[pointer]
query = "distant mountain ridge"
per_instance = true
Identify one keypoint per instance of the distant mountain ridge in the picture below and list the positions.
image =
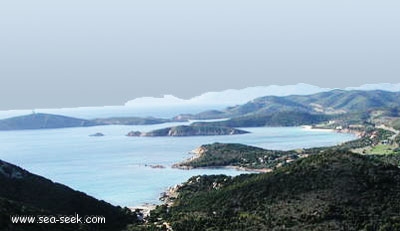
(331, 102)
(298, 110)
(267, 110)
(43, 121)
(50, 121)
(335, 101)
(142, 106)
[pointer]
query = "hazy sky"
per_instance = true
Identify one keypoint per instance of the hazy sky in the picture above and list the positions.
(93, 52)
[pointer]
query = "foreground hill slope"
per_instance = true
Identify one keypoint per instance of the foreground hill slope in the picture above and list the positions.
(43, 121)
(336, 190)
(23, 193)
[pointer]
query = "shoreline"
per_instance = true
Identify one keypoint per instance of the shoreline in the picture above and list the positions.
(145, 209)
(312, 128)
(357, 133)
(237, 168)
(196, 153)
(199, 151)
(168, 195)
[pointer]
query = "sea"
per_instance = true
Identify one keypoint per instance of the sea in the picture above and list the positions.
(117, 168)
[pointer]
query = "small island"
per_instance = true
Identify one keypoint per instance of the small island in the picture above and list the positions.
(159, 166)
(97, 134)
(190, 130)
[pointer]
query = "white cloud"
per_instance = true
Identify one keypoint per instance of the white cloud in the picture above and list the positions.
(379, 86)
(147, 101)
(169, 105)
(229, 97)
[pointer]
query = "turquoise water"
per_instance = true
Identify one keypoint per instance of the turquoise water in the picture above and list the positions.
(113, 167)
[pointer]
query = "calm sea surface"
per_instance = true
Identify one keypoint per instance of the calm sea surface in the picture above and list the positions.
(113, 167)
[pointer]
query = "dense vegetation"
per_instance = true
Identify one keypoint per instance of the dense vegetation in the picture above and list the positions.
(397, 140)
(370, 137)
(336, 190)
(239, 155)
(24, 193)
(396, 124)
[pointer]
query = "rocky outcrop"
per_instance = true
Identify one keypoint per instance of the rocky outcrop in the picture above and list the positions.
(134, 133)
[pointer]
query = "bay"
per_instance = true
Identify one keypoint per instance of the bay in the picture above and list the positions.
(116, 168)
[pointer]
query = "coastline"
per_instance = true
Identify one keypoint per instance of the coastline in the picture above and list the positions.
(168, 195)
(243, 169)
(312, 128)
(144, 209)
(357, 133)
(199, 151)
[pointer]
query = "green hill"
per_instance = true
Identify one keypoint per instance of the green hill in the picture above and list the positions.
(298, 110)
(238, 155)
(43, 121)
(336, 101)
(335, 190)
(283, 118)
(268, 104)
(250, 157)
(23, 193)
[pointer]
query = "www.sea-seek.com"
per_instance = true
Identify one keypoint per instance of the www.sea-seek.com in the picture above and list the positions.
(46, 219)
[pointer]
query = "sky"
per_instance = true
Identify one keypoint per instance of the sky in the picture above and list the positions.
(71, 53)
